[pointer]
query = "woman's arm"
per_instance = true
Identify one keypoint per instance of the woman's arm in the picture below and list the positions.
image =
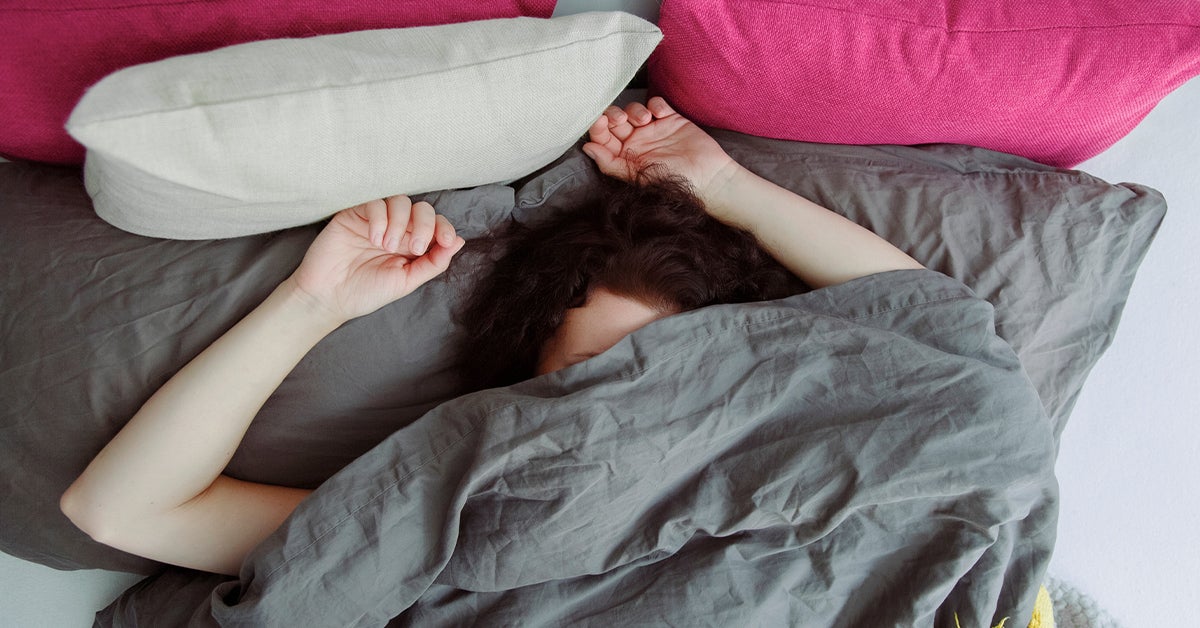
(820, 247)
(156, 489)
(817, 245)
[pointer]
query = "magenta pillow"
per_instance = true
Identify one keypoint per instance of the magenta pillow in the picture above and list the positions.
(1056, 81)
(50, 52)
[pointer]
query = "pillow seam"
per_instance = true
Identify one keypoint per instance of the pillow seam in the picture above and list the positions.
(104, 9)
(951, 31)
(868, 163)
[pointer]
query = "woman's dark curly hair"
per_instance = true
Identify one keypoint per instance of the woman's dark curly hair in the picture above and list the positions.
(650, 240)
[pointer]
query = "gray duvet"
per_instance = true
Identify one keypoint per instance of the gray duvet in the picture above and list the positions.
(881, 460)
(870, 454)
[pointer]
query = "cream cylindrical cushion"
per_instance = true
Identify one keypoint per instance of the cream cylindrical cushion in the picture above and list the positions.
(280, 133)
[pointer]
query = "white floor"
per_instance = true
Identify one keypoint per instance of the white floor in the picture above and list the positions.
(1130, 456)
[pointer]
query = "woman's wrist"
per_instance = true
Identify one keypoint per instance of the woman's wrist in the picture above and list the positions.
(302, 308)
(723, 193)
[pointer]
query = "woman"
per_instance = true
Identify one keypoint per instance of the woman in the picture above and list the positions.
(157, 490)
(648, 245)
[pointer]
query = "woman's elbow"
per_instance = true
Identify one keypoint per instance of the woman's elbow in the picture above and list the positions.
(86, 514)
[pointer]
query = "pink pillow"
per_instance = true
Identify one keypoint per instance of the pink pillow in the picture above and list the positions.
(1056, 81)
(50, 52)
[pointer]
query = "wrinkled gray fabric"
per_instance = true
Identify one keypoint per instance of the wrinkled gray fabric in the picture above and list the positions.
(867, 454)
(94, 319)
(1054, 250)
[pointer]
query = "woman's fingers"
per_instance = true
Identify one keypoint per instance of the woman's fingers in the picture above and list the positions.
(399, 209)
(440, 255)
(375, 213)
(443, 232)
(618, 123)
(602, 137)
(659, 107)
(615, 114)
(421, 227)
(598, 132)
(434, 263)
(638, 114)
(400, 226)
(604, 158)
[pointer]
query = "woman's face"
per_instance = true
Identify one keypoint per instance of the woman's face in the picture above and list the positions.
(594, 328)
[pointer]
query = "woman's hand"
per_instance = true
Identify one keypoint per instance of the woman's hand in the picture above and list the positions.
(372, 254)
(624, 142)
(156, 489)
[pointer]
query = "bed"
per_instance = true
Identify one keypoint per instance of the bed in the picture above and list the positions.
(901, 512)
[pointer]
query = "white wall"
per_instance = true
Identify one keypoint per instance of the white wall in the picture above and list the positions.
(33, 596)
(1130, 456)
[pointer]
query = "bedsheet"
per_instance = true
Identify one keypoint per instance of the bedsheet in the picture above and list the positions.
(95, 319)
(866, 454)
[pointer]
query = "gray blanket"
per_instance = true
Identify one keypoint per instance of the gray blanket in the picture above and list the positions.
(870, 454)
(94, 320)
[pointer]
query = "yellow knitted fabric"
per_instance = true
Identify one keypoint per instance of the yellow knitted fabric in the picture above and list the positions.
(1043, 611)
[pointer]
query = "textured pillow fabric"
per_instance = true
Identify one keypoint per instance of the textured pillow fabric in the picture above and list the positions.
(50, 52)
(274, 134)
(1055, 81)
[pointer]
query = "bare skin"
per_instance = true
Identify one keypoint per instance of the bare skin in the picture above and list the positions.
(820, 247)
(808, 239)
(157, 488)
(588, 331)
